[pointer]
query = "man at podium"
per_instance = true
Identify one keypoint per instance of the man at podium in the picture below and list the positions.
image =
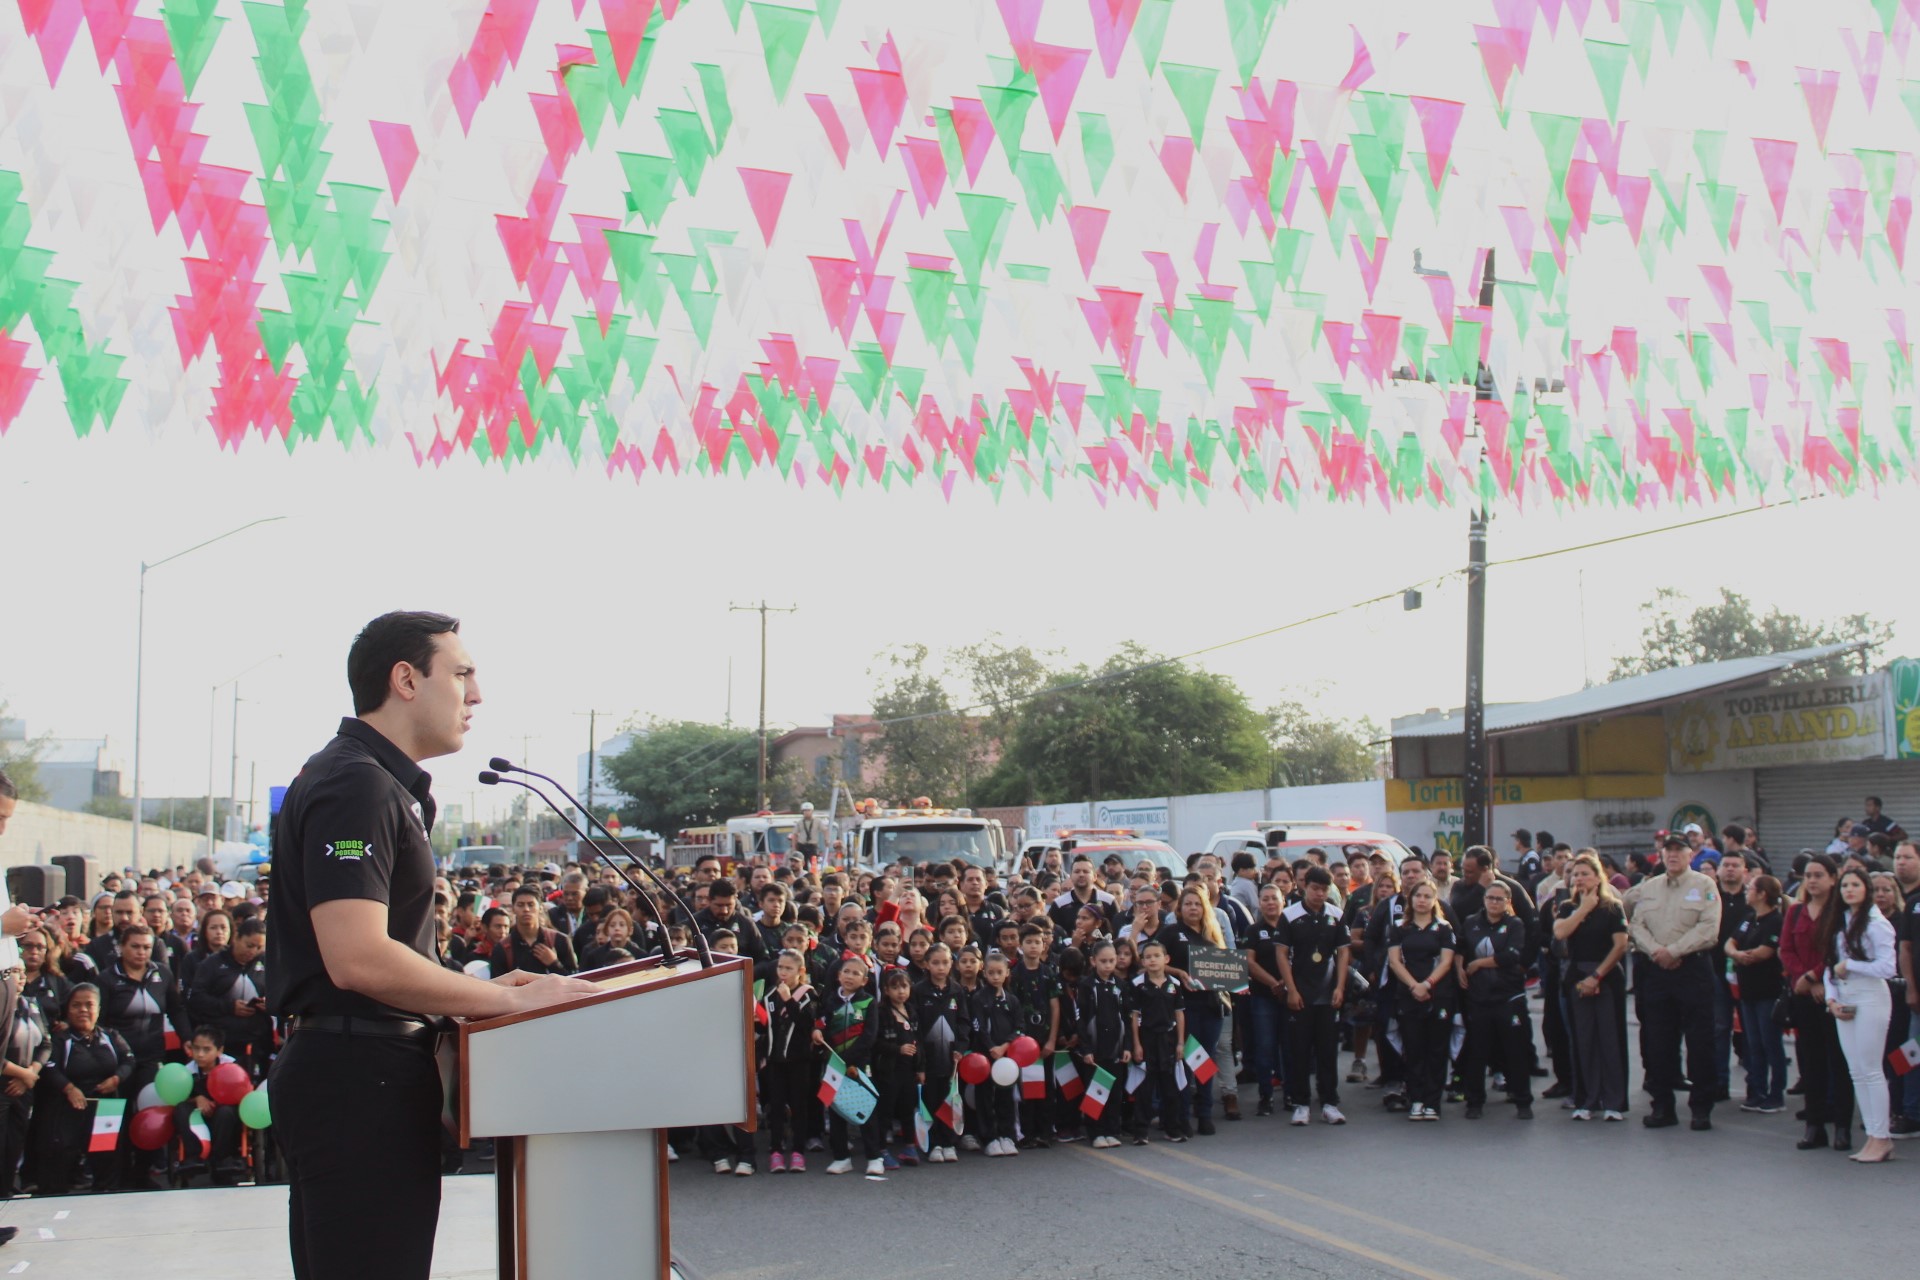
(356, 1091)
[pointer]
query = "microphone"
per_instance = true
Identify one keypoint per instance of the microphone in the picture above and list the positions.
(491, 778)
(706, 957)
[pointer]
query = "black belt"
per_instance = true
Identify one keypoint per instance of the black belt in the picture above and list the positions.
(414, 1031)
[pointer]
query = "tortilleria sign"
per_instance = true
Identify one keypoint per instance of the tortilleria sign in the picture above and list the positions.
(1786, 724)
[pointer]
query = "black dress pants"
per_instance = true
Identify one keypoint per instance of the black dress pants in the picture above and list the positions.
(1676, 1007)
(358, 1122)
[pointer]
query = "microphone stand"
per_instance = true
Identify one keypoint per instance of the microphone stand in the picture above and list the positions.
(667, 957)
(700, 938)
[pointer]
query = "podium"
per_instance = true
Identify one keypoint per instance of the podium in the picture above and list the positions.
(578, 1097)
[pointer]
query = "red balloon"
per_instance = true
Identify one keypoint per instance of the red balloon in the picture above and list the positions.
(228, 1083)
(1024, 1050)
(974, 1068)
(151, 1129)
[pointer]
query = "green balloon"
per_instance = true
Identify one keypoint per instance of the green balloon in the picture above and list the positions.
(174, 1084)
(253, 1109)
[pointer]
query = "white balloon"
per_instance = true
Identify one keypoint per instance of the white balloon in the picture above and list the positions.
(149, 1097)
(1006, 1072)
(479, 969)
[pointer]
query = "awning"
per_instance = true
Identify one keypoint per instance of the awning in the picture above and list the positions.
(1634, 693)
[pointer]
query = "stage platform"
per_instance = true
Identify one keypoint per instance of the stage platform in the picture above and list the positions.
(160, 1235)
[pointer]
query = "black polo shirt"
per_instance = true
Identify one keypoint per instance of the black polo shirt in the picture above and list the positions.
(1314, 941)
(354, 824)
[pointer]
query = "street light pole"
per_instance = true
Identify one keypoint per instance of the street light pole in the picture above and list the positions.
(1474, 781)
(763, 609)
(212, 695)
(140, 667)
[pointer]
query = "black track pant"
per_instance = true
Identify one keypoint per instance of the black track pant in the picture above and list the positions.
(358, 1119)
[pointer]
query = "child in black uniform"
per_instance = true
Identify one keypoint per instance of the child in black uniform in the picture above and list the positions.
(1105, 1037)
(896, 1069)
(791, 1074)
(846, 1026)
(943, 1012)
(996, 1021)
(1036, 985)
(1159, 1020)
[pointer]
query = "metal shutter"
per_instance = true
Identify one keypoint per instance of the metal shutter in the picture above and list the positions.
(1800, 803)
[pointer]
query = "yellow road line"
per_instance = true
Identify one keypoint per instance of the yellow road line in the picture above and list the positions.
(1321, 1202)
(1287, 1225)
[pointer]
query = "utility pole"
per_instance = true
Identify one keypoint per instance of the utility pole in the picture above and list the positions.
(593, 745)
(1474, 783)
(763, 609)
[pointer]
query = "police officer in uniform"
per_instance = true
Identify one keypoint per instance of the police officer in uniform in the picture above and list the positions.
(1675, 928)
(350, 962)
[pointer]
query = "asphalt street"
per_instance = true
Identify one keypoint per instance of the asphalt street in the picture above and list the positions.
(1490, 1199)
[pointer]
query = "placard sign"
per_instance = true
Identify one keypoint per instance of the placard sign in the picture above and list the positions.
(1217, 969)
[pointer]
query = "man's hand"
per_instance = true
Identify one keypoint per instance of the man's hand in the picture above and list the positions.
(16, 1087)
(243, 1008)
(1294, 1002)
(542, 990)
(545, 954)
(1339, 995)
(515, 978)
(110, 1085)
(1664, 958)
(16, 921)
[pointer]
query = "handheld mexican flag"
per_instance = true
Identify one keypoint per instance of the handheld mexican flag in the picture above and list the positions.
(836, 1075)
(1905, 1058)
(1136, 1076)
(951, 1113)
(760, 1018)
(1033, 1080)
(922, 1124)
(1098, 1090)
(1199, 1061)
(107, 1115)
(197, 1126)
(1067, 1076)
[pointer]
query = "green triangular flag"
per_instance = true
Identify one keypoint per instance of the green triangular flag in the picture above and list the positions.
(783, 32)
(1193, 90)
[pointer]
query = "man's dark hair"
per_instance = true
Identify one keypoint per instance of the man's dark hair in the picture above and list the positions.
(1241, 861)
(1543, 839)
(127, 894)
(1317, 875)
(1875, 802)
(211, 1034)
(8, 791)
(389, 639)
(721, 888)
(528, 891)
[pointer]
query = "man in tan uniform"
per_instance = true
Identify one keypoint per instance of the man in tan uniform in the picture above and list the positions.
(1675, 926)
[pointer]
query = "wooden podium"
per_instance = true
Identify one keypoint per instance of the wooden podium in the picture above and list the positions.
(578, 1097)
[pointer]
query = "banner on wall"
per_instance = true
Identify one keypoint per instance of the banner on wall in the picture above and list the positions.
(1904, 678)
(1147, 818)
(1821, 723)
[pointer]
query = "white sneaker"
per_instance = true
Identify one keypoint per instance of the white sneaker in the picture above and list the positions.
(743, 1170)
(876, 1168)
(1581, 1113)
(1008, 1147)
(1302, 1114)
(1417, 1111)
(968, 1142)
(952, 1156)
(723, 1166)
(1612, 1115)
(673, 1157)
(1332, 1115)
(936, 1155)
(840, 1166)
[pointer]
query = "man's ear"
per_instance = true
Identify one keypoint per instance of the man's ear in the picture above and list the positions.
(402, 681)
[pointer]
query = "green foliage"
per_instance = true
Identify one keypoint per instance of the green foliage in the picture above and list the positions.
(20, 761)
(929, 750)
(1676, 637)
(1310, 749)
(683, 773)
(109, 807)
(1129, 729)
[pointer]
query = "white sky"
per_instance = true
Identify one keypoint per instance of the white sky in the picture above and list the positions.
(577, 592)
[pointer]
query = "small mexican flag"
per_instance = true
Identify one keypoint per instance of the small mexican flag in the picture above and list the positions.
(951, 1113)
(1199, 1061)
(1033, 1080)
(1098, 1090)
(1067, 1076)
(197, 1126)
(1136, 1076)
(1905, 1058)
(107, 1115)
(760, 1003)
(835, 1076)
(922, 1124)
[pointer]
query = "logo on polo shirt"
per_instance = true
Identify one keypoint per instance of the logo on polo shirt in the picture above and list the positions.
(351, 850)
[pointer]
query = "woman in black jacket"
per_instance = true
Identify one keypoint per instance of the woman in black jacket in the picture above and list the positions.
(216, 932)
(41, 979)
(86, 1062)
(791, 1074)
(896, 1068)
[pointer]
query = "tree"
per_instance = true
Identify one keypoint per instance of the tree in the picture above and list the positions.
(1310, 749)
(1675, 637)
(1001, 677)
(1137, 726)
(931, 748)
(109, 807)
(20, 761)
(684, 773)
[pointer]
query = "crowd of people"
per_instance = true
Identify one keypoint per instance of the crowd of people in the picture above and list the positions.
(915, 982)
